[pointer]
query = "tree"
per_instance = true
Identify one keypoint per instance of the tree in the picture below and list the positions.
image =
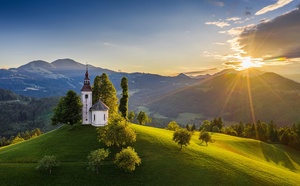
(47, 163)
(127, 159)
(96, 89)
(116, 133)
(131, 116)
(68, 110)
(143, 118)
(95, 159)
(173, 126)
(123, 107)
(205, 136)
(205, 126)
(182, 137)
(104, 90)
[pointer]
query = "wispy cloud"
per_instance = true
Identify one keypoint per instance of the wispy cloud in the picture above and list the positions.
(278, 4)
(220, 24)
(202, 71)
(217, 3)
(233, 19)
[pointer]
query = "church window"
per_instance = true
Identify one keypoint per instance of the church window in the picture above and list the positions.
(104, 117)
(86, 96)
(94, 117)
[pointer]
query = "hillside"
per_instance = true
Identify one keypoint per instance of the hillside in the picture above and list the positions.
(236, 96)
(20, 113)
(227, 161)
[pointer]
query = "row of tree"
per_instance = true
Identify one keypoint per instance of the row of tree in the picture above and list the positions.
(266, 132)
(20, 137)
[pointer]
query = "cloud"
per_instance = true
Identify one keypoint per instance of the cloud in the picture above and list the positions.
(278, 4)
(202, 72)
(232, 64)
(220, 24)
(277, 37)
(233, 19)
(217, 3)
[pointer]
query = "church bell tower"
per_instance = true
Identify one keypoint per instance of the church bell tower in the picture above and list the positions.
(86, 99)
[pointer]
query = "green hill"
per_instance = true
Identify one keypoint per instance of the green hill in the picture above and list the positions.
(227, 161)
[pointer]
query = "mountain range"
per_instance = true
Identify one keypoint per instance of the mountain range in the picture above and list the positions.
(234, 95)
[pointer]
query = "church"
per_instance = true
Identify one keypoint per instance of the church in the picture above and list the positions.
(96, 114)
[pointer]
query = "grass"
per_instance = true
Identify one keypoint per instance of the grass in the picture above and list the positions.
(227, 161)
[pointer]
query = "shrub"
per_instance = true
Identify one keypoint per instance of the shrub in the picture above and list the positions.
(127, 159)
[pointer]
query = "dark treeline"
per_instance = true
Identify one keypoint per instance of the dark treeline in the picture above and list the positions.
(19, 113)
(20, 137)
(266, 132)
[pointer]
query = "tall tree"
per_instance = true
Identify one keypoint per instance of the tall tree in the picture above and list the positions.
(104, 90)
(123, 107)
(68, 110)
(96, 89)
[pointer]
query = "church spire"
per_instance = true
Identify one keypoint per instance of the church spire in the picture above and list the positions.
(86, 84)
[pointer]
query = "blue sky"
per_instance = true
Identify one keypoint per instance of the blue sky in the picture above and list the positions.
(164, 37)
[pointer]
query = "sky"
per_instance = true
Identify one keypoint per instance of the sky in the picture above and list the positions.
(164, 37)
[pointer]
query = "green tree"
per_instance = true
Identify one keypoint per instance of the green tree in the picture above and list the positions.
(173, 126)
(131, 116)
(182, 137)
(116, 133)
(96, 89)
(47, 163)
(123, 107)
(205, 137)
(205, 126)
(127, 159)
(143, 118)
(104, 90)
(68, 110)
(95, 159)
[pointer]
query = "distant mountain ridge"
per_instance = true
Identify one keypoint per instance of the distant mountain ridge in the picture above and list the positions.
(224, 94)
(239, 96)
(43, 79)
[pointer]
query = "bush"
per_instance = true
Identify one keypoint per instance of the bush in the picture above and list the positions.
(127, 159)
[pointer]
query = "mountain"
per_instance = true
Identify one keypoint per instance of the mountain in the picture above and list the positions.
(245, 96)
(228, 161)
(43, 79)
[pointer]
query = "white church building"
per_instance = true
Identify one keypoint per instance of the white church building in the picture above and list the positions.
(97, 114)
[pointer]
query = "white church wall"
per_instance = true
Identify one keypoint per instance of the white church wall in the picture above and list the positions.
(99, 117)
(86, 100)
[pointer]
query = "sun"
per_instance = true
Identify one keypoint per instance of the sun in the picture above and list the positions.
(247, 63)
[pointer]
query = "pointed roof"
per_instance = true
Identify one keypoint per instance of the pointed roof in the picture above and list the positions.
(86, 85)
(99, 105)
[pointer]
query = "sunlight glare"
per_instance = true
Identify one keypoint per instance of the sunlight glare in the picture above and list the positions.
(247, 63)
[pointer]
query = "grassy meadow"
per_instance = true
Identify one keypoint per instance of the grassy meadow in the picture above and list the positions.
(228, 161)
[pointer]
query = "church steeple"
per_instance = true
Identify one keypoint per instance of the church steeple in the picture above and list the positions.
(86, 85)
